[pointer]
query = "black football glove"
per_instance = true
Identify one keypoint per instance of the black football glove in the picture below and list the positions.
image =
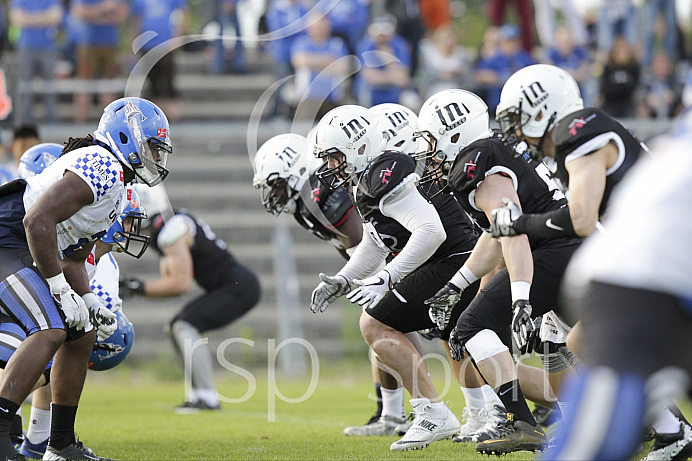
(442, 304)
(522, 325)
(534, 343)
(456, 348)
(131, 286)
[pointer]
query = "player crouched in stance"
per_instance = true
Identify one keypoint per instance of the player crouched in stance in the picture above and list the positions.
(636, 313)
(429, 241)
(48, 226)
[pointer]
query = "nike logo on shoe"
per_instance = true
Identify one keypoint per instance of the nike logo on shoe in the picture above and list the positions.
(425, 424)
(549, 223)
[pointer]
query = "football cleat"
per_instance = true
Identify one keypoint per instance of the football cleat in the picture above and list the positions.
(514, 436)
(429, 425)
(189, 408)
(474, 420)
(490, 428)
(33, 450)
(385, 425)
(73, 452)
(402, 428)
(16, 457)
(671, 447)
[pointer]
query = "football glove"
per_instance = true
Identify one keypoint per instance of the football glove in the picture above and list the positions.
(69, 302)
(442, 304)
(328, 291)
(100, 317)
(371, 290)
(504, 218)
(131, 286)
(456, 348)
(522, 325)
(534, 342)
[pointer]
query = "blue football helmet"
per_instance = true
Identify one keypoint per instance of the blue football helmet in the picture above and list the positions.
(38, 158)
(137, 132)
(125, 237)
(111, 352)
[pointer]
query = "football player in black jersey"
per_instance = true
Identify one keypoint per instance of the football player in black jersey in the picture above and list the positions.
(591, 152)
(463, 154)
(191, 252)
(429, 242)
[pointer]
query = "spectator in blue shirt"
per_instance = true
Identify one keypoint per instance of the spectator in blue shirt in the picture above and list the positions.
(350, 19)
(319, 70)
(385, 63)
(285, 22)
(38, 21)
(566, 55)
(227, 57)
(96, 46)
(493, 72)
(167, 19)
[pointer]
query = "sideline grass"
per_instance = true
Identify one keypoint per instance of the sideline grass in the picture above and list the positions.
(128, 415)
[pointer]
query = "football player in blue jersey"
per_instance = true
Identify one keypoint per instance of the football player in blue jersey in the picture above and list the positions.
(48, 226)
(25, 136)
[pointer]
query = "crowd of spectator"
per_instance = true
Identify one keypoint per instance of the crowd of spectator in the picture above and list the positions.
(627, 57)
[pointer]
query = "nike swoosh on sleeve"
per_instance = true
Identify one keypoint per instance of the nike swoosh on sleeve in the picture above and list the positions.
(549, 223)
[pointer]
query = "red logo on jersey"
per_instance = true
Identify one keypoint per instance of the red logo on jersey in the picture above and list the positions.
(386, 173)
(129, 195)
(470, 169)
(122, 176)
(578, 123)
(91, 260)
(161, 132)
(316, 194)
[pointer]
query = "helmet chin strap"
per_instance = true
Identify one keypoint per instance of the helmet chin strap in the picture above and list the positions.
(539, 147)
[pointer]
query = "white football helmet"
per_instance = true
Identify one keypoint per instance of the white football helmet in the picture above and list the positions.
(398, 124)
(350, 135)
(448, 122)
(532, 100)
(281, 169)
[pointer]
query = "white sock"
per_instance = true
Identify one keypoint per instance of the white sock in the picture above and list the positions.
(393, 402)
(438, 406)
(39, 426)
(666, 422)
(474, 397)
(208, 396)
(490, 397)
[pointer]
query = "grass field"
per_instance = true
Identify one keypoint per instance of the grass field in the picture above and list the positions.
(128, 415)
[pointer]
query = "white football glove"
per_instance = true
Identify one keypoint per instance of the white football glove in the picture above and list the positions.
(328, 291)
(100, 317)
(504, 219)
(371, 290)
(522, 325)
(71, 304)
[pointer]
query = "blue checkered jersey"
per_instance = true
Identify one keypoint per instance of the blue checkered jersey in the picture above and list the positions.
(104, 282)
(103, 174)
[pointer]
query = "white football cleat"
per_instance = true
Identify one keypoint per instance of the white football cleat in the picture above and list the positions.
(430, 425)
(386, 425)
(669, 447)
(474, 419)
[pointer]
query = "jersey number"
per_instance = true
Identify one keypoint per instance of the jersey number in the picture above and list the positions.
(547, 177)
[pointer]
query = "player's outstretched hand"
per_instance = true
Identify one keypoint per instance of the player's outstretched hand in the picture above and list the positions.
(131, 286)
(371, 290)
(442, 304)
(328, 291)
(71, 304)
(102, 319)
(504, 219)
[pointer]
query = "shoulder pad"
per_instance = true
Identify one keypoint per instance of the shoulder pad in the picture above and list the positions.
(385, 172)
(175, 228)
(581, 126)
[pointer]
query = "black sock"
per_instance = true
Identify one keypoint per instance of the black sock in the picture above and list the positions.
(16, 427)
(62, 419)
(378, 391)
(8, 410)
(513, 399)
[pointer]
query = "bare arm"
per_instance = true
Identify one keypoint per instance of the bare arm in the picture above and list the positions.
(62, 200)
(176, 271)
(587, 181)
(75, 271)
(50, 17)
(351, 230)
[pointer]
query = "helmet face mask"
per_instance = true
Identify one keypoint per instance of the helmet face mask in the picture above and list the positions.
(333, 177)
(278, 196)
(137, 132)
(125, 233)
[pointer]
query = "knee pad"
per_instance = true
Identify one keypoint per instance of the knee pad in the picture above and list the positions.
(484, 344)
(554, 361)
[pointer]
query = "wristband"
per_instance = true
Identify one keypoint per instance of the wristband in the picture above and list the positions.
(520, 290)
(57, 282)
(463, 278)
(90, 299)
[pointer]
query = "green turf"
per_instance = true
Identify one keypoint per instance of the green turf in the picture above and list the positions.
(129, 415)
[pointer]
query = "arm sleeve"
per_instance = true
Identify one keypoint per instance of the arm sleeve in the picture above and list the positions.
(365, 260)
(419, 217)
(554, 225)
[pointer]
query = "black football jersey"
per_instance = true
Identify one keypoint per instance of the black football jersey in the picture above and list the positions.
(588, 130)
(321, 210)
(537, 190)
(211, 260)
(384, 174)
